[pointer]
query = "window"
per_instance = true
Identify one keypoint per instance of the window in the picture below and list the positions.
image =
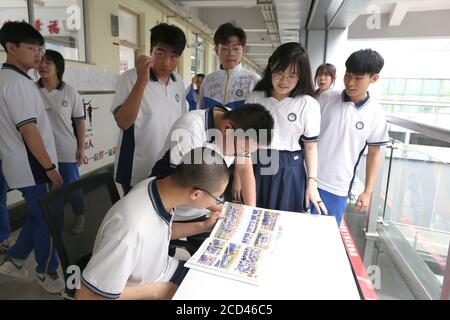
(445, 89)
(396, 86)
(431, 87)
(197, 55)
(13, 10)
(413, 87)
(61, 22)
(129, 38)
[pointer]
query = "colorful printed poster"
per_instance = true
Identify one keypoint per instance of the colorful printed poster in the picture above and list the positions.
(238, 244)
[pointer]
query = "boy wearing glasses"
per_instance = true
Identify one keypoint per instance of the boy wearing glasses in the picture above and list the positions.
(130, 259)
(230, 85)
(148, 100)
(28, 150)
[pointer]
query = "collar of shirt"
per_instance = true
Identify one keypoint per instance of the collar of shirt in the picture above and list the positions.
(8, 66)
(60, 86)
(154, 78)
(238, 68)
(157, 203)
(359, 104)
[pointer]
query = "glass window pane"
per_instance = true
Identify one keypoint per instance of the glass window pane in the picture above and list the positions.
(128, 26)
(431, 87)
(13, 10)
(413, 87)
(126, 58)
(61, 22)
(445, 88)
(396, 86)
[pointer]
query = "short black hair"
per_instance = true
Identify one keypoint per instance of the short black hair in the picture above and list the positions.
(201, 168)
(253, 116)
(228, 30)
(290, 53)
(364, 61)
(200, 75)
(17, 32)
(58, 60)
(169, 35)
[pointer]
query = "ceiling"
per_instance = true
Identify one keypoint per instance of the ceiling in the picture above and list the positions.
(268, 23)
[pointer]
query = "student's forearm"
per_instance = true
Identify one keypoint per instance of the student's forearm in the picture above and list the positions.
(371, 167)
(127, 113)
(181, 230)
(35, 144)
(150, 291)
(310, 149)
(80, 128)
(248, 182)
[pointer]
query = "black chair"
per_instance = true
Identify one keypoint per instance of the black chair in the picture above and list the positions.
(99, 193)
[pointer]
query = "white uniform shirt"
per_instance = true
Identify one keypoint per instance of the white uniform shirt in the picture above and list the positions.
(139, 146)
(295, 119)
(20, 104)
(228, 88)
(131, 247)
(63, 106)
(193, 130)
(346, 130)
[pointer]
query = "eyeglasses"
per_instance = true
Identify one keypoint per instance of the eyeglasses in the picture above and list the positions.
(289, 76)
(37, 51)
(217, 200)
(228, 50)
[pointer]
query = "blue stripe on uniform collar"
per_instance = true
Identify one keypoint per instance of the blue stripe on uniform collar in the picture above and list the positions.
(14, 68)
(157, 203)
(359, 104)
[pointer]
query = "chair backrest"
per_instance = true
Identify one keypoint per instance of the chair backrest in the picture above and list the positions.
(98, 193)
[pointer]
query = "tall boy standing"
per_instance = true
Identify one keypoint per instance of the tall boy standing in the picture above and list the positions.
(351, 121)
(148, 100)
(229, 86)
(28, 150)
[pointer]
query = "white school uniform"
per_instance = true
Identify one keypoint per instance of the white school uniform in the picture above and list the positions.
(227, 88)
(139, 146)
(295, 119)
(20, 104)
(131, 247)
(346, 130)
(193, 130)
(64, 106)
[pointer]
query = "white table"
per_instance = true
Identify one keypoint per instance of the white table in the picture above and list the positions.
(309, 262)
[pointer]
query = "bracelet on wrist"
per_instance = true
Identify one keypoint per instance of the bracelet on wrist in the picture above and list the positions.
(53, 167)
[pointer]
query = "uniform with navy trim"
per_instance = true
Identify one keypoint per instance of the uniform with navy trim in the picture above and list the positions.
(347, 129)
(21, 104)
(227, 88)
(296, 121)
(64, 107)
(131, 247)
(193, 130)
(139, 145)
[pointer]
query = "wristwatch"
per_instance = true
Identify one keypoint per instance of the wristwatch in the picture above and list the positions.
(53, 167)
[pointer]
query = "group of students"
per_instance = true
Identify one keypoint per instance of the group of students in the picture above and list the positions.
(270, 141)
(42, 132)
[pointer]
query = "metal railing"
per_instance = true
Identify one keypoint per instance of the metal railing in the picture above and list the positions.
(404, 239)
